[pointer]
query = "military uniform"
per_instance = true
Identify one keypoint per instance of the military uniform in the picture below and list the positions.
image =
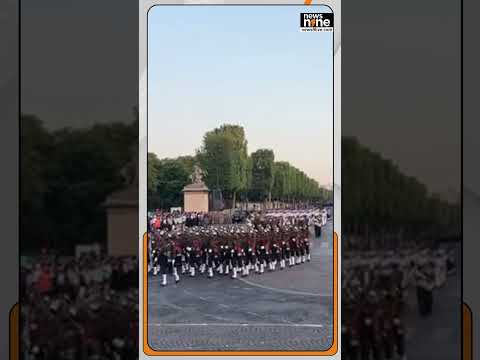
(250, 253)
(165, 259)
(211, 256)
(230, 249)
(237, 258)
(424, 278)
(155, 255)
(262, 252)
(177, 264)
(276, 251)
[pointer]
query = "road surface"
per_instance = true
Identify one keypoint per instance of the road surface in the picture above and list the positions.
(289, 309)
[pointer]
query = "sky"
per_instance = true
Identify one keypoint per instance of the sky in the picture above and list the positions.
(400, 84)
(242, 65)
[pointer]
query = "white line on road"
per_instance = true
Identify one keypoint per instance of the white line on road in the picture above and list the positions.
(173, 306)
(194, 295)
(220, 318)
(285, 291)
(240, 324)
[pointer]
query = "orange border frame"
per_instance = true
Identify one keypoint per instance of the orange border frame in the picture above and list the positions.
(329, 352)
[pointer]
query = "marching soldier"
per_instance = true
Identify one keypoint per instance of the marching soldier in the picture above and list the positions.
(221, 258)
(177, 263)
(212, 256)
(276, 251)
(196, 255)
(250, 253)
(227, 255)
(261, 252)
(187, 253)
(237, 256)
(189, 259)
(203, 253)
(155, 255)
(297, 251)
(286, 252)
(228, 249)
(293, 250)
(164, 259)
(369, 326)
(424, 277)
(306, 245)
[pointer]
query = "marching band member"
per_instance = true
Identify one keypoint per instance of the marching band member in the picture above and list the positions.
(262, 243)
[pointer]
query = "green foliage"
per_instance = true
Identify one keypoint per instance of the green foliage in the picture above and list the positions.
(378, 197)
(153, 172)
(224, 159)
(66, 176)
(36, 150)
(262, 174)
(171, 176)
(292, 184)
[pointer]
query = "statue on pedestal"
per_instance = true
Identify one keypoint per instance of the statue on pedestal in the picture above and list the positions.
(129, 172)
(197, 175)
(196, 194)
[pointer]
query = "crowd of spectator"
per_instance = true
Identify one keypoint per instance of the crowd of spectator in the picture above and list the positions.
(168, 221)
(81, 308)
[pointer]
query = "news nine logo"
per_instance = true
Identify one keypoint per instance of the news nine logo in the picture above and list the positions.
(316, 22)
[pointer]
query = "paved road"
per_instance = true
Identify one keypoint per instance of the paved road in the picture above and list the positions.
(287, 309)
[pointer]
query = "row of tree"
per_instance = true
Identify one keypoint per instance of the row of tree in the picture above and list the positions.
(378, 199)
(224, 159)
(66, 175)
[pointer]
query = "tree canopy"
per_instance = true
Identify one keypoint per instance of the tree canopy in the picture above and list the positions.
(263, 173)
(224, 159)
(66, 176)
(377, 196)
(166, 179)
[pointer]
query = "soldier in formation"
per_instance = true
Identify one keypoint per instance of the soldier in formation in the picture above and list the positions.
(374, 288)
(266, 243)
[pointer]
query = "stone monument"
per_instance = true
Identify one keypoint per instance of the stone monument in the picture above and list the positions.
(195, 195)
(122, 213)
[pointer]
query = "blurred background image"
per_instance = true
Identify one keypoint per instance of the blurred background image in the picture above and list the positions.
(78, 146)
(400, 180)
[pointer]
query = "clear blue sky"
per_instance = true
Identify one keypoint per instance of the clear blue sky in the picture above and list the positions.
(246, 65)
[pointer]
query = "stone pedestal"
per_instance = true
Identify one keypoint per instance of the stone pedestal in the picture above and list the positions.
(195, 198)
(122, 222)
